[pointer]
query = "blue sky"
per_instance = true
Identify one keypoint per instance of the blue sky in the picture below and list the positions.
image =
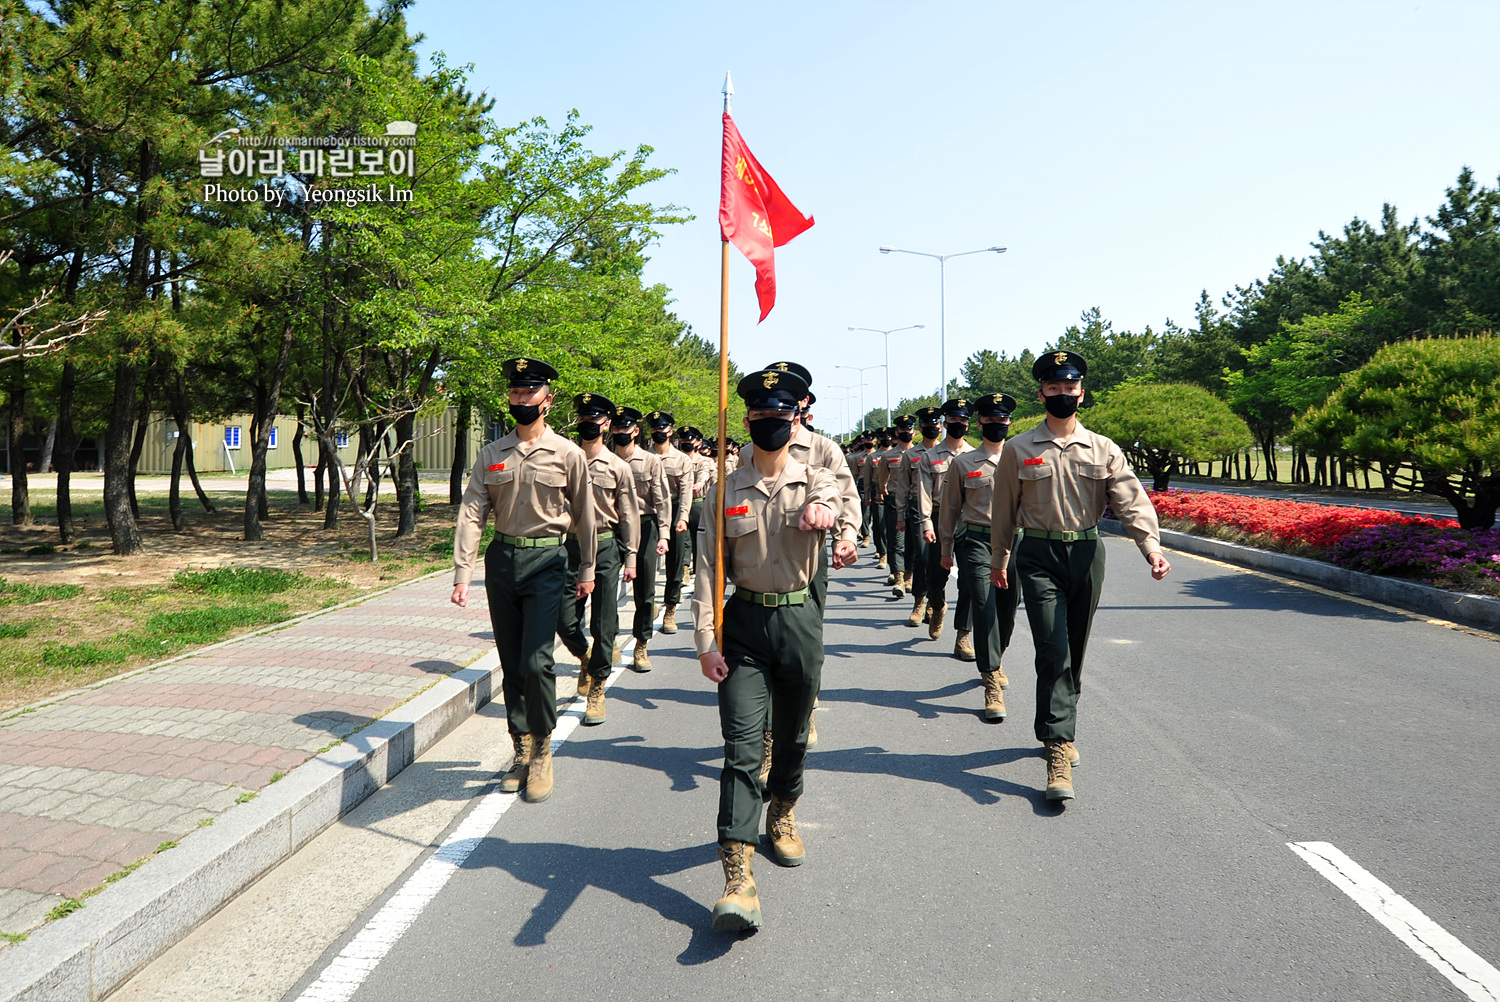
(1127, 154)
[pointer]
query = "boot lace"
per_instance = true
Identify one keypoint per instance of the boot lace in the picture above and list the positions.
(783, 824)
(1057, 761)
(736, 869)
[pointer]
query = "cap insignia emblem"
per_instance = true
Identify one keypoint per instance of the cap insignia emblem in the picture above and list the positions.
(520, 365)
(587, 397)
(781, 366)
(1060, 358)
(770, 380)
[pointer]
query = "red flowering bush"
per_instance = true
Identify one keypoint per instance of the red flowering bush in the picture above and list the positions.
(1434, 551)
(1314, 527)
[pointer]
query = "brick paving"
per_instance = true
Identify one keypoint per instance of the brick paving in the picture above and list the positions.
(97, 780)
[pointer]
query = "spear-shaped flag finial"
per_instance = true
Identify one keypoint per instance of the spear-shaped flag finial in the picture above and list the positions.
(728, 90)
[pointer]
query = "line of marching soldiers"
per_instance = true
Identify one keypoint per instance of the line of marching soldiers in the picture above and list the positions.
(1013, 519)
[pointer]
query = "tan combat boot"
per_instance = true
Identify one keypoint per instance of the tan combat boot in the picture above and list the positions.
(539, 772)
(593, 713)
(515, 776)
(641, 661)
(1059, 771)
(781, 829)
(1004, 682)
(994, 699)
(963, 646)
(935, 627)
(765, 758)
(669, 619)
(1072, 751)
(880, 564)
(898, 586)
(739, 908)
(585, 680)
(916, 617)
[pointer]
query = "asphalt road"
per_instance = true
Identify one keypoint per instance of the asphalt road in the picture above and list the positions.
(1224, 715)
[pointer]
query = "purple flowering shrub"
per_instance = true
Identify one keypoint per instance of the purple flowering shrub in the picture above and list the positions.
(1450, 558)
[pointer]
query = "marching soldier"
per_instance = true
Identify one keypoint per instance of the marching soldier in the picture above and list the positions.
(964, 532)
(704, 471)
(908, 517)
(617, 525)
(929, 481)
(777, 511)
(888, 465)
(1052, 485)
(656, 512)
(872, 451)
(536, 484)
(679, 470)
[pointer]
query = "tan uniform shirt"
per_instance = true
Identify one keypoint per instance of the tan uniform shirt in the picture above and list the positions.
(904, 480)
(857, 463)
(886, 463)
(651, 490)
(764, 550)
(824, 453)
(966, 494)
(615, 504)
(705, 472)
(930, 477)
(678, 467)
(1063, 486)
(542, 491)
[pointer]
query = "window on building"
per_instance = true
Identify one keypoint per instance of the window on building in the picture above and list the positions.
(341, 439)
(272, 443)
(232, 436)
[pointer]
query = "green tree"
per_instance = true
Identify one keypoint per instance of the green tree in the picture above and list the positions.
(1434, 404)
(1159, 424)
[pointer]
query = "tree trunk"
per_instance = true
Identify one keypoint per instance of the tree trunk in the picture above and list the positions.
(174, 498)
(138, 444)
(118, 511)
(297, 456)
(15, 428)
(270, 403)
(45, 464)
(460, 451)
(67, 442)
(406, 475)
(318, 478)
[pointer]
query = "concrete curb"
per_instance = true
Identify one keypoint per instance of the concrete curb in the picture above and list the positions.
(1475, 610)
(92, 952)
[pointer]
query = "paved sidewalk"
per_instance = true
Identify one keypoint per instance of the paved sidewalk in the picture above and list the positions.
(93, 782)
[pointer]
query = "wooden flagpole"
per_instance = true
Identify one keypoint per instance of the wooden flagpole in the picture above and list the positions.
(723, 419)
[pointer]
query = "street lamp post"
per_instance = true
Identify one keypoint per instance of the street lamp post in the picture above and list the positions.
(862, 411)
(873, 330)
(942, 260)
(848, 390)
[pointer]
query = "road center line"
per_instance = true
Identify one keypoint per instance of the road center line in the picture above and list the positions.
(1469, 972)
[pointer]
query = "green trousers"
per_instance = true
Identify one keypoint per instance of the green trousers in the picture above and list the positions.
(937, 585)
(875, 519)
(1061, 582)
(916, 550)
(775, 659)
(677, 548)
(994, 610)
(694, 517)
(525, 588)
(895, 539)
(646, 562)
(604, 607)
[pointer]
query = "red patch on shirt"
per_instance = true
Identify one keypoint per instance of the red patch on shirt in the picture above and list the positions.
(743, 509)
(976, 473)
(1038, 461)
(496, 466)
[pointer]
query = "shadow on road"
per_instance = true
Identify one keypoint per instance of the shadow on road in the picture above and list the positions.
(1249, 593)
(562, 872)
(953, 771)
(902, 699)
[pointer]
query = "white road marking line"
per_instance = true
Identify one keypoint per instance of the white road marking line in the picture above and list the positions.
(1469, 972)
(343, 976)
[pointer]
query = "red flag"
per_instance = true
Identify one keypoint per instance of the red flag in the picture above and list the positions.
(754, 215)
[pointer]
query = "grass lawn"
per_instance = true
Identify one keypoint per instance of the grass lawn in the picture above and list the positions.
(71, 615)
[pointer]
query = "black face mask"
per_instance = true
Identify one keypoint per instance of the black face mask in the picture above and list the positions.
(994, 432)
(621, 438)
(957, 430)
(659, 437)
(525, 413)
(929, 431)
(589, 431)
(904, 436)
(770, 433)
(1061, 406)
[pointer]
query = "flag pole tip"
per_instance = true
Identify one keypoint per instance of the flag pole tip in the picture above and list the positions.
(728, 84)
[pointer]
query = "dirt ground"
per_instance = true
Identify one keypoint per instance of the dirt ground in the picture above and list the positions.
(48, 645)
